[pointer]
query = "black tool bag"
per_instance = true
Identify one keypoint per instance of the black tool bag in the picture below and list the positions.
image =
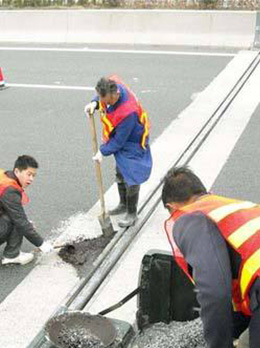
(166, 293)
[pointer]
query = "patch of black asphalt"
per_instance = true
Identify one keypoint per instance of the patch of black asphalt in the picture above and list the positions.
(81, 254)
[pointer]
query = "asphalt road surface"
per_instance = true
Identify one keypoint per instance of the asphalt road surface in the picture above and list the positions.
(50, 125)
(240, 177)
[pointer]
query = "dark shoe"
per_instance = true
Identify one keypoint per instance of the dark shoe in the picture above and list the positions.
(129, 220)
(120, 209)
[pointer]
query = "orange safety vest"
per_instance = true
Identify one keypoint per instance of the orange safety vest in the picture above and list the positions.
(6, 182)
(239, 223)
(112, 119)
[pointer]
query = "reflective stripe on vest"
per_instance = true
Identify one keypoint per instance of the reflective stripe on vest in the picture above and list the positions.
(222, 212)
(179, 259)
(239, 223)
(6, 182)
(111, 120)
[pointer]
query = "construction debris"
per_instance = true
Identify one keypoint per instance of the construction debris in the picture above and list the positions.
(79, 252)
(77, 329)
(78, 338)
(187, 334)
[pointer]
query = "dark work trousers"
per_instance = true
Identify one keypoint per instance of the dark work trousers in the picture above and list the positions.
(10, 236)
(242, 322)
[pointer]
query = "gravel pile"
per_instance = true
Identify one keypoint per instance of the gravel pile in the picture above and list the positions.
(78, 338)
(174, 335)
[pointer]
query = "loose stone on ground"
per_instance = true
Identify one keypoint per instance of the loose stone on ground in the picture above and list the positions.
(174, 335)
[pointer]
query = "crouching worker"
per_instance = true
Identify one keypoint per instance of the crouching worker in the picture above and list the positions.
(126, 136)
(216, 242)
(14, 224)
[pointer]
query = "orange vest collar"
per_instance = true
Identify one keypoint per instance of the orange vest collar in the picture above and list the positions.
(6, 182)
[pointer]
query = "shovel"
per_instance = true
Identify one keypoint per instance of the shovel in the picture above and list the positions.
(104, 219)
(71, 249)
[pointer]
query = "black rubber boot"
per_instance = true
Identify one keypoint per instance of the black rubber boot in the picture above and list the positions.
(121, 208)
(132, 201)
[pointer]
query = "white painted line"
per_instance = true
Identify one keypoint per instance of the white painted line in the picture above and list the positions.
(32, 308)
(25, 85)
(102, 50)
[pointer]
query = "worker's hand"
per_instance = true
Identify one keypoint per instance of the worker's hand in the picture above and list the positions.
(98, 157)
(235, 343)
(90, 108)
(46, 247)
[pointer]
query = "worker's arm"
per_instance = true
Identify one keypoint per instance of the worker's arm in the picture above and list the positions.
(12, 204)
(121, 135)
(206, 252)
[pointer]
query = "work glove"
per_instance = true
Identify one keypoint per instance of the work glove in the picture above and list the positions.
(46, 247)
(90, 108)
(98, 157)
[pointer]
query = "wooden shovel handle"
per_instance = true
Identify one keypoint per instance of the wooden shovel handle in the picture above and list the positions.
(97, 164)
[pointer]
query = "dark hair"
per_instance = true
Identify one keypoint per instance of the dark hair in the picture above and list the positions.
(23, 162)
(180, 184)
(106, 86)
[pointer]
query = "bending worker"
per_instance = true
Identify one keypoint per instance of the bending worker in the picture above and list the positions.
(14, 224)
(126, 136)
(216, 241)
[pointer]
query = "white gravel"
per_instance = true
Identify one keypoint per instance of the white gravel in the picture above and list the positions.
(187, 334)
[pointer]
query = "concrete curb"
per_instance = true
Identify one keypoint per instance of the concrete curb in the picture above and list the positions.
(153, 27)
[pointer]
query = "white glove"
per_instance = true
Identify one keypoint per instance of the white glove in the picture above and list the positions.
(46, 247)
(98, 157)
(90, 108)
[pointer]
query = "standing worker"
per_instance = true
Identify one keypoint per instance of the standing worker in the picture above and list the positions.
(216, 241)
(126, 136)
(14, 224)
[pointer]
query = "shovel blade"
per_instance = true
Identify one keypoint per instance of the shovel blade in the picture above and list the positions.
(106, 225)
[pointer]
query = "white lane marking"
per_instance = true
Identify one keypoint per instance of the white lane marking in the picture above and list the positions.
(194, 95)
(216, 150)
(103, 50)
(46, 285)
(26, 85)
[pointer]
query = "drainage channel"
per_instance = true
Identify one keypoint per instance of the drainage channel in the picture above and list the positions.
(81, 294)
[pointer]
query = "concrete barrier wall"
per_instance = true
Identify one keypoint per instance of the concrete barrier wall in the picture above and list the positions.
(155, 27)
